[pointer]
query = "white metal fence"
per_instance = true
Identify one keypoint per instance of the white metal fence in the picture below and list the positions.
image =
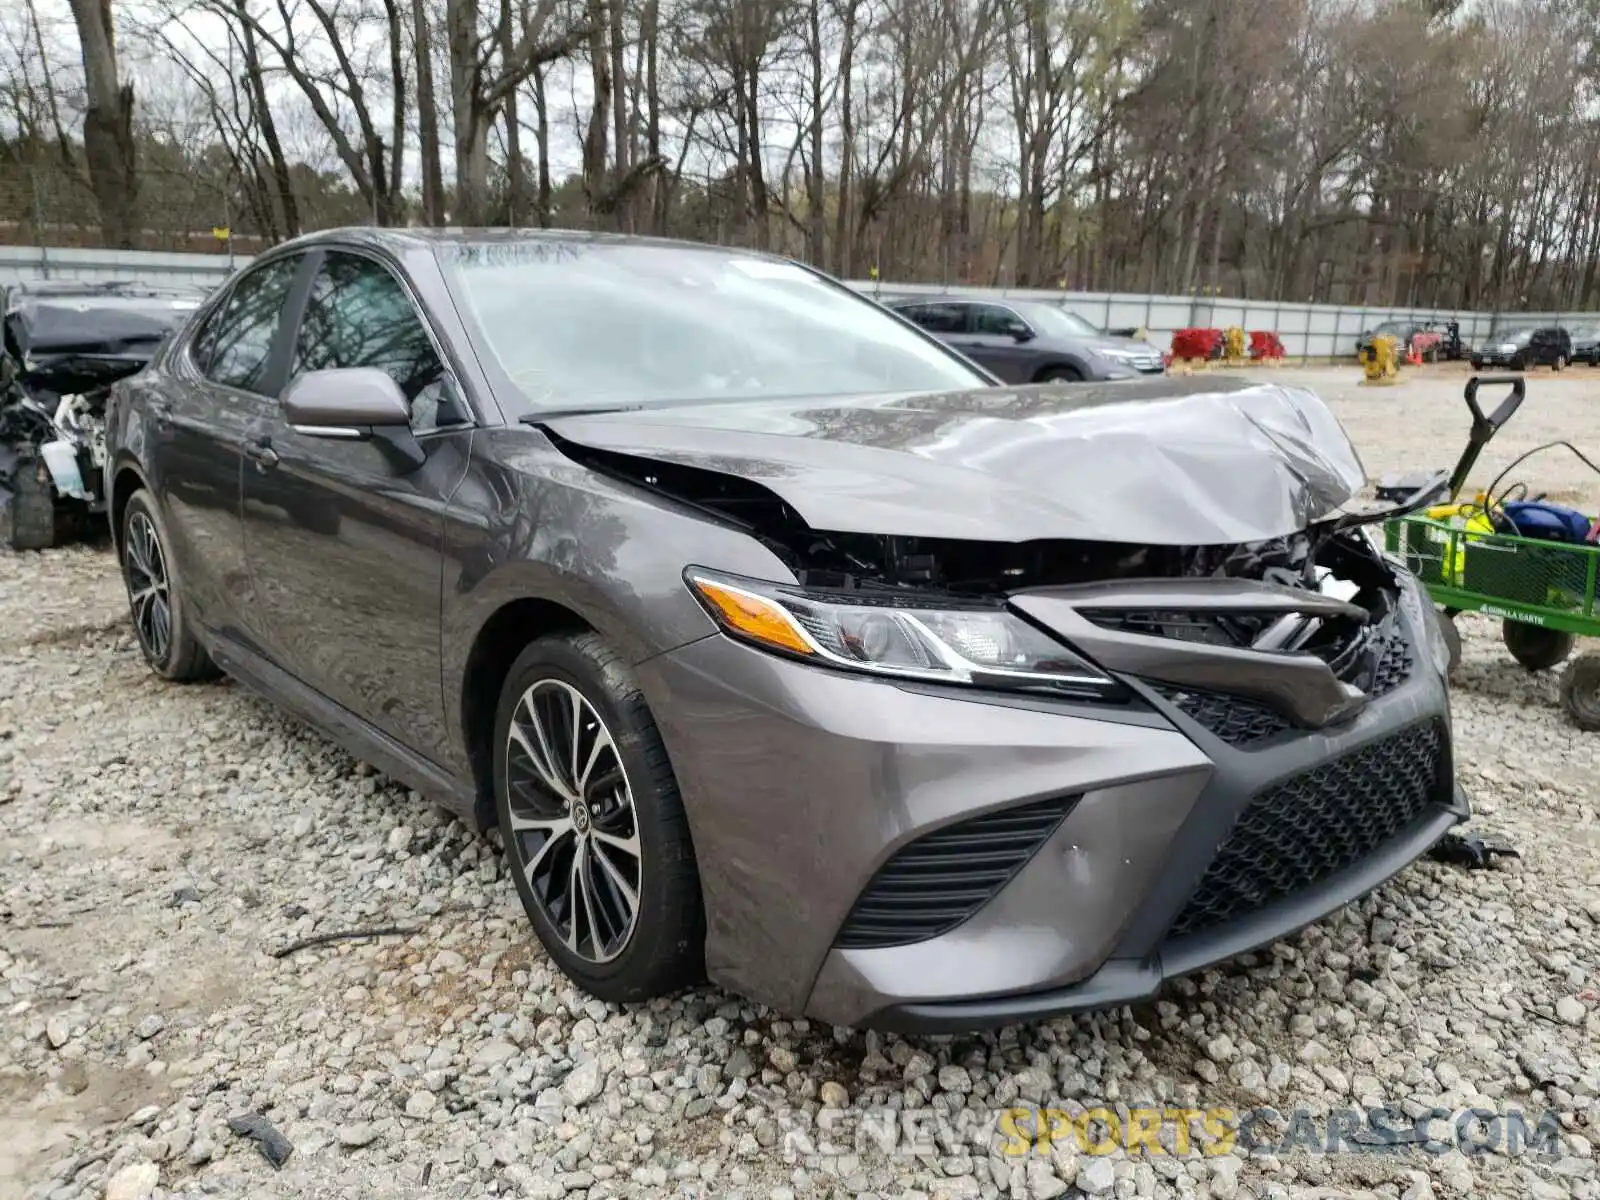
(1305, 329)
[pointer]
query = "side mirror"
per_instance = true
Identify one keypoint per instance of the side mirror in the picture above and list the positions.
(353, 404)
(1020, 332)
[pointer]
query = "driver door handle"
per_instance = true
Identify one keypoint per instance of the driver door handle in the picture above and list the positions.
(261, 450)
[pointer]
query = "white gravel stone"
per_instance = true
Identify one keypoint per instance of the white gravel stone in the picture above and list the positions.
(1571, 1010)
(583, 1084)
(137, 1181)
(1096, 1176)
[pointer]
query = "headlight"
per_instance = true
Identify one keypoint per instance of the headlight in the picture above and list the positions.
(1122, 356)
(906, 637)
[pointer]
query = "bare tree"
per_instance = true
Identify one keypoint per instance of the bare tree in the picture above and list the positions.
(108, 143)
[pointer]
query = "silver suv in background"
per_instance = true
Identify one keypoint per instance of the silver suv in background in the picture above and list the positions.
(1031, 341)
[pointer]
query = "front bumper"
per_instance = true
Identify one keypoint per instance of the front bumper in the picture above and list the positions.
(840, 824)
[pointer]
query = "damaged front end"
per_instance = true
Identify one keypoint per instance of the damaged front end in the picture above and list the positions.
(1297, 631)
(65, 345)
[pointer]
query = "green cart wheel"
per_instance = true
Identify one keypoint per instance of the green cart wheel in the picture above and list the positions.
(1536, 647)
(1580, 691)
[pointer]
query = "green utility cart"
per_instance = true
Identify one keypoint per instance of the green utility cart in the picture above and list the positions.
(1542, 591)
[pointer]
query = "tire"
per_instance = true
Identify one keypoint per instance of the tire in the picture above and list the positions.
(660, 948)
(1534, 646)
(160, 622)
(1560, 364)
(1580, 691)
(1059, 375)
(28, 517)
(1519, 363)
(1452, 639)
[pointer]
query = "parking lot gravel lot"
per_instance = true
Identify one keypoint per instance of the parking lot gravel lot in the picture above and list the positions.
(161, 847)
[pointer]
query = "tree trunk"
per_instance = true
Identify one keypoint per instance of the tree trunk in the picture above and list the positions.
(283, 182)
(427, 117)
(542, 136)
(516, 202)
(108, 127)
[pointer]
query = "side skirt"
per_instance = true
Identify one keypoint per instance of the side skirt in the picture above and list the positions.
(356, 735)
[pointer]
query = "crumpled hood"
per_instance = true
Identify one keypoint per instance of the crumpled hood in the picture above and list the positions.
(1170, 461)
(70, 342)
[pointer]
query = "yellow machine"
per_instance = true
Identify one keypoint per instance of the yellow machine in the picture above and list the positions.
(1381, 359)
(1233, 344)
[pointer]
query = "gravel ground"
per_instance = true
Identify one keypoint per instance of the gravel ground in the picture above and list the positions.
(159, 843)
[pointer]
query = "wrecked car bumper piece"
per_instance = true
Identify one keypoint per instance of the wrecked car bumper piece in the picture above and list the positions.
(889, 855)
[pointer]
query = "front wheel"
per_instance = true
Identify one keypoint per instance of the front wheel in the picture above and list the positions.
(155, 596)
(594, 828)
(1060, 375)
(1536, 647)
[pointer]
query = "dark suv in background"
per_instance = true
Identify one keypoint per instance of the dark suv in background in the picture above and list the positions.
(1586, 344)
(1519, 349)
(1031, 341)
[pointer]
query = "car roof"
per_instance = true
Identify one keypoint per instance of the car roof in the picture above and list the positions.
(398, 240)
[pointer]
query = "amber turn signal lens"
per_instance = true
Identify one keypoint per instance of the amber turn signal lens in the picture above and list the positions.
(755, 617)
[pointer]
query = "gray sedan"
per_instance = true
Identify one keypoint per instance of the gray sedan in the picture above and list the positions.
(781, 645)
(1031, 341)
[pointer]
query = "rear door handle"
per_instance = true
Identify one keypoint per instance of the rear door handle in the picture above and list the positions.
(261, 450)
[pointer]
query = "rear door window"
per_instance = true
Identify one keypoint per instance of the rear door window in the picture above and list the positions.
(235, 346)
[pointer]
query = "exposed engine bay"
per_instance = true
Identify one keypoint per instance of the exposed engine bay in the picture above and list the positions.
(1350, 589)
(65, 345)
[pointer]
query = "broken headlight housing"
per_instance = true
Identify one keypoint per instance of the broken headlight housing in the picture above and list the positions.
(934, 640)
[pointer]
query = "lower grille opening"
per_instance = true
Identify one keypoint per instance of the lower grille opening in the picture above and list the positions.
(1295, 835)
(1234, 719)
(938, 881)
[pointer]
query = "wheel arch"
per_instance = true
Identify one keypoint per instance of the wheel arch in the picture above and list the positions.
(125, 481)
(495, 647)
(1058, 364)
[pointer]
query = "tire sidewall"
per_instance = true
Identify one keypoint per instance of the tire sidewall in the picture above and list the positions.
(141, 502)
(559, 660)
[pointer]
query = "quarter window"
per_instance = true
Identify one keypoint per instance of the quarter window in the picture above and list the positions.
(234, 347)
(993, 320)
(358, 315)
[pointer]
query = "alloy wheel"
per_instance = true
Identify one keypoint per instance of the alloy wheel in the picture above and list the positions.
(573, 831)
(148, 593)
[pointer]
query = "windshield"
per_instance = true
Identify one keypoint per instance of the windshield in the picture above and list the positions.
(1055, 321)
(616, 324)
(1517, 337)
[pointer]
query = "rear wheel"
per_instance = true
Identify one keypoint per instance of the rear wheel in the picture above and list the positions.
(593, 825)
(1580, 691)
(1060, 375)
(1534, 646)
(155, 596)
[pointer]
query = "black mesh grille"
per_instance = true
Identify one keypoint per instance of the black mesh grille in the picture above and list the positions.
(1235, 720)
(1394, 664)
(936, 882)
(1298, 833)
